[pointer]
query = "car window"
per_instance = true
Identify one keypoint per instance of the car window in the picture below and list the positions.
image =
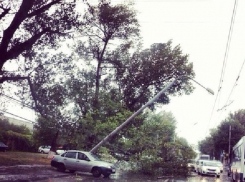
(82, 156)
(71, 155)
(210, 164)
(46, 147)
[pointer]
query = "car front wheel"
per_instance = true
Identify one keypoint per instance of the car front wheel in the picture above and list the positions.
(61, 168)
(96, 172)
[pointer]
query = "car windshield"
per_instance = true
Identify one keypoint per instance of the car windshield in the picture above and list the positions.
(210, 164)
(219, 163)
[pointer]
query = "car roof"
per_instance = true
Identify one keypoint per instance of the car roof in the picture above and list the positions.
(3, 145)
(78, 151)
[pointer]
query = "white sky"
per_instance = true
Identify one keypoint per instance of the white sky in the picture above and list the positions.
(201, 28)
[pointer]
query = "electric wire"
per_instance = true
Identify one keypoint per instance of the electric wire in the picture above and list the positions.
(18, 116)
(232, 90)
(224, 61)
(18, 101)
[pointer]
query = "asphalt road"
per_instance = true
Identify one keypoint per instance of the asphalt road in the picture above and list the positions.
(48, 174)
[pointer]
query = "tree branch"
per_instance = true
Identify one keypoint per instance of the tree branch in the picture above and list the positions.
(18, 49)
(18, 19)
(5, 11)
(16, 78)
(44, 8)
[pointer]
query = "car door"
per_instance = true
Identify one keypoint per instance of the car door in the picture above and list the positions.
(70, 160)
(83, 163)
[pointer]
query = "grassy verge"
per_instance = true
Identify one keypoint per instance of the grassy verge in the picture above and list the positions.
(23, 158)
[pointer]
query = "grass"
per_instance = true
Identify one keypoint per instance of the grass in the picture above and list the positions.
(10, 158)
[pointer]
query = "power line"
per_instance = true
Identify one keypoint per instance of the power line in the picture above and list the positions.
(18, 101)
(235, 84)
(18, 116)
(225, 60)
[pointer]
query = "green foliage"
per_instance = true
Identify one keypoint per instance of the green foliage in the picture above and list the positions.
(219, 137)
(106, 27)
(153, 149)
(44, 131)
(16, 137)
(150, 70)
(30, 27)
(91, 131)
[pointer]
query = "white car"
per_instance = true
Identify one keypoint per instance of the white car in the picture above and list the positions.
(75, 160)
(220, 165)
(60, 151)
(209, 168)
(197, 165)
(44, 149)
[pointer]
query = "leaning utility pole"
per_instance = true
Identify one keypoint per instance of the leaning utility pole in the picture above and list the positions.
(141, 109)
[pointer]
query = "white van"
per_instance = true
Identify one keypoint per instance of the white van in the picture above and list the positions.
(204, 157)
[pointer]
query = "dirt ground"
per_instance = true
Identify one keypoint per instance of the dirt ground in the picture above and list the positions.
(28, 173)
(10, 158)
(25, 166)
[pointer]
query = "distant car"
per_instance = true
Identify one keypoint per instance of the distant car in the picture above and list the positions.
(3, 147)
(60, 150)
(44, 149)
(191, 164)
(75, 160)
(209, 168)
(198, 165)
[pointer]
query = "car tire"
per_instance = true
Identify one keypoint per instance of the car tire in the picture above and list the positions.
(42, 152)
(61, 167)
(71, 171)
(218, 176)
(96, 172)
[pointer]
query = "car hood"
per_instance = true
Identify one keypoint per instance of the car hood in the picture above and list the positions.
(103, 163)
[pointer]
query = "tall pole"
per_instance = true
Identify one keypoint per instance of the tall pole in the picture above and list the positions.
(132, 116)
(140, 110)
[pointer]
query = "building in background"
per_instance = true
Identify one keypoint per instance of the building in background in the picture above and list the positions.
(19, 122)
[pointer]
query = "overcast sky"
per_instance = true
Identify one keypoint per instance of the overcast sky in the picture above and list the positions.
(201, 28)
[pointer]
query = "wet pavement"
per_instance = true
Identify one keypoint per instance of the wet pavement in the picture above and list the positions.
(45, 173)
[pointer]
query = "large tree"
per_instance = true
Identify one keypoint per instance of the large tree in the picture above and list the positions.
(150, 70)
(106, 27)
(28, 27)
